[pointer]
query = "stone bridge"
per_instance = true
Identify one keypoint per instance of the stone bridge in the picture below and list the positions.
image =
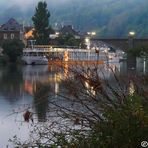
(122, 43)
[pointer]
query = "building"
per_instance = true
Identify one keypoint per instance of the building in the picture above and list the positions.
(11, 30)
(68, 30)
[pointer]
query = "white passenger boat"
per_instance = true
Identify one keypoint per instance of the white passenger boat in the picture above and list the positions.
(34, 57)
(44, 54)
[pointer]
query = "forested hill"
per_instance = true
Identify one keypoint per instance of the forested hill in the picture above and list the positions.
(107, 17)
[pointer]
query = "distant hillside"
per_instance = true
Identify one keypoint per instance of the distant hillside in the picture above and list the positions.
(107, 17)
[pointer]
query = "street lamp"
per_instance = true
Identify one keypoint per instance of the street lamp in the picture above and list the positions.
(131, 33)
(97, 51)
(93, 33)
(131, 36)
(87, 42)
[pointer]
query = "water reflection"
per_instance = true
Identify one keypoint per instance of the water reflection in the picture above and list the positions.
(138, 66)
(33, 84)
(41, 96)
(11, 81)
(42, 82)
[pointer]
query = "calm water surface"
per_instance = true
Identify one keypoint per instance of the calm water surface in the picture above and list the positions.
(17, 86)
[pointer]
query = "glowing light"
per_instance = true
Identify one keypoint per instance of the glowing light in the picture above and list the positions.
(131, 88)
(93, 33)
(132, 33)
(29, 34)
(87, 40)
(57, 33)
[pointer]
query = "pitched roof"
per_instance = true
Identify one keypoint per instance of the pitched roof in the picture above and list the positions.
(11, 25)
(68, 30)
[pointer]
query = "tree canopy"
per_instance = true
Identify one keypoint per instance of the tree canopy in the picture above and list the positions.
(41, 23)
(13, 49)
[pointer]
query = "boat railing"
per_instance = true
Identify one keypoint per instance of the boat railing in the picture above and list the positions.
(58, 50)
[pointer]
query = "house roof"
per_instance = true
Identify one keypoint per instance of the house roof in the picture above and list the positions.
(68, 30)
(11, 25)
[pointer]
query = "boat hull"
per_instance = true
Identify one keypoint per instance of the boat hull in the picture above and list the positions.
(35, 60)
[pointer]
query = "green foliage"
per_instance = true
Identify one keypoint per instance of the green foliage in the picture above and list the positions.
(70, 40)
(126, 125)
(3, 60)
(41, 23)
(13, 49)
(139, 51)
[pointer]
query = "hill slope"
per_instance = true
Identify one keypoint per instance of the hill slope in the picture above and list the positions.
(107, 17)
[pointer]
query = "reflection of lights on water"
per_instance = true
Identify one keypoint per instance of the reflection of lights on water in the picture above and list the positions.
(66, 56)
(144, 67)
(56, 87)
(131, 89)
(111, 68)
(65, 70)
(90, 89)
(56, 79)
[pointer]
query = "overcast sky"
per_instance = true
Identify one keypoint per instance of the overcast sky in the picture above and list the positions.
(28, 2)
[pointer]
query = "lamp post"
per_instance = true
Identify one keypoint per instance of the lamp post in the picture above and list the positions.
(97, 51)
(131, 36)
(87, 42)
(88, 37)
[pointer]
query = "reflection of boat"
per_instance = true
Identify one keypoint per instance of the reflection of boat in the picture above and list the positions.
(36, 73)
(34, 56)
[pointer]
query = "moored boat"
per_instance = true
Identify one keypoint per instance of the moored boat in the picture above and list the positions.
(34, 57)
(49, 54)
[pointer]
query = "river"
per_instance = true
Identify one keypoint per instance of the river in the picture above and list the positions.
(17, 87)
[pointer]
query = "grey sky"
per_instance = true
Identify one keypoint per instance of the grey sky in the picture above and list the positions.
(28, 2)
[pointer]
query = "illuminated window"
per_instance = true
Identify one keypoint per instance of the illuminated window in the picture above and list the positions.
(12, 36)
(5, 36)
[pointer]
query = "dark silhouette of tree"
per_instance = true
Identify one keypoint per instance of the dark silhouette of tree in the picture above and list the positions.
(41, 24)
(13, 49)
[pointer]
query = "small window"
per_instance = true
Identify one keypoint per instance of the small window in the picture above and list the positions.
(12, 36)
(5, 36)
(5, 28)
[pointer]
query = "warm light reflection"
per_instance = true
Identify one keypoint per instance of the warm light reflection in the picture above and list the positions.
(65, 56)
(56, 79)
(28, 87)
(131, 88)
(65, 70)
(90, 89)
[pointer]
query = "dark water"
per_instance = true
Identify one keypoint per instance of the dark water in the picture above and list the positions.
(17, 88)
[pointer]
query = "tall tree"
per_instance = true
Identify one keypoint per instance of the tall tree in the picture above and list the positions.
(41, 23)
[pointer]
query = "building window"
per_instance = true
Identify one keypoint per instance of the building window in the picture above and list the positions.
(5, 36)
(12, 36)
